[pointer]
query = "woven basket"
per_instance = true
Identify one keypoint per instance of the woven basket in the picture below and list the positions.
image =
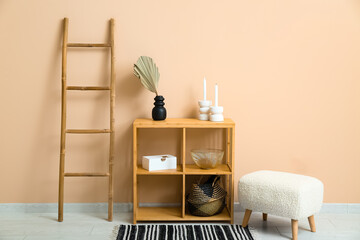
(206, 199)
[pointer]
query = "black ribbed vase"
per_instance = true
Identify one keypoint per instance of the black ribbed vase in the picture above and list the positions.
(159, 112)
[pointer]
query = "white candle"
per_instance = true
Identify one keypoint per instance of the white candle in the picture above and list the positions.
(204, 89)
(216, 95)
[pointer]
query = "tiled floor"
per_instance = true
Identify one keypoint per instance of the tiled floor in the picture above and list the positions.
(328, 226)
(93, 226)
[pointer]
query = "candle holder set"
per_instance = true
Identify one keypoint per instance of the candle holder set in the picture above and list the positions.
(208, 112)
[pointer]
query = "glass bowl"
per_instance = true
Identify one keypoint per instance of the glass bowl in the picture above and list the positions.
(207, 158)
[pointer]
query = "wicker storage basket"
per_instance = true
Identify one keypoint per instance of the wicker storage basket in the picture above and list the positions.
(206, 199)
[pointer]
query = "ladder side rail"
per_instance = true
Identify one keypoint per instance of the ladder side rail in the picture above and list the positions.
(112, 121)
(63, 121)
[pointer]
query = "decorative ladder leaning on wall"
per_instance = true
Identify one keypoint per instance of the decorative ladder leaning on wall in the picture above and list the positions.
(64, 131)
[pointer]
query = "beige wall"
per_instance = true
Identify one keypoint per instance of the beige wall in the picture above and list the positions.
(288, 75)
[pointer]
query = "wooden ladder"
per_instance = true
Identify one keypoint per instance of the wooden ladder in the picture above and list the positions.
(64, 130)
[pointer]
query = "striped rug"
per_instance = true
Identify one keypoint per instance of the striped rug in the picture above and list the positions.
(183, 232)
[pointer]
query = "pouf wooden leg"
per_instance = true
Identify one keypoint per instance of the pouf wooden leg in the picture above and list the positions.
(312, 223)
(264, 216)
(294, 226)
(246, 217)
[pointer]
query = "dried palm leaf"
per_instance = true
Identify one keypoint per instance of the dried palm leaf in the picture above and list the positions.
(148, 73)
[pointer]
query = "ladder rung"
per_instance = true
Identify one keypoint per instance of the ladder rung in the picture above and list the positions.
(86, 174)
(85, 131)
(86, 88)
(89, 45)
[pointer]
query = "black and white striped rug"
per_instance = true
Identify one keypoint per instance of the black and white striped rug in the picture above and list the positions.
(183, 232)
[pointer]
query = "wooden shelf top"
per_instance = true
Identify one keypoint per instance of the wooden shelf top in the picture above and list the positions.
(182, 123)
(192, 169)
(142, 171)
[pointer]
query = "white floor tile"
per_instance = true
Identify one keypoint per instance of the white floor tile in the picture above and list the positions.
(21, 237)
(328, 226)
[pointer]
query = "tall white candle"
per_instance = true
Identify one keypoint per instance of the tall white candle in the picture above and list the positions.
(216, 95)
(204, 89)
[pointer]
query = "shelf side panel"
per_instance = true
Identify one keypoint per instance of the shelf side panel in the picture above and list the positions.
(135, 202)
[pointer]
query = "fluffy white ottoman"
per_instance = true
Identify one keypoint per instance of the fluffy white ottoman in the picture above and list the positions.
(282, 194)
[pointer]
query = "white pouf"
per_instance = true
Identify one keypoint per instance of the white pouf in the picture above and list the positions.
(283, 194)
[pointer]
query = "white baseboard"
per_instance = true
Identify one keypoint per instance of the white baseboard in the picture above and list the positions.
(327, 208)
(68, 207)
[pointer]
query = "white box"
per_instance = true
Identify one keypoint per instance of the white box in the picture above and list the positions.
(159, 162)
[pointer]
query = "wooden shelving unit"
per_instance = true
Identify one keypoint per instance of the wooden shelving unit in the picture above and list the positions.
(226, 169)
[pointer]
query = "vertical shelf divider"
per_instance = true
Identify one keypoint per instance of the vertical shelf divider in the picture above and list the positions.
(227, 149)
(183, 150)
(228, 141)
